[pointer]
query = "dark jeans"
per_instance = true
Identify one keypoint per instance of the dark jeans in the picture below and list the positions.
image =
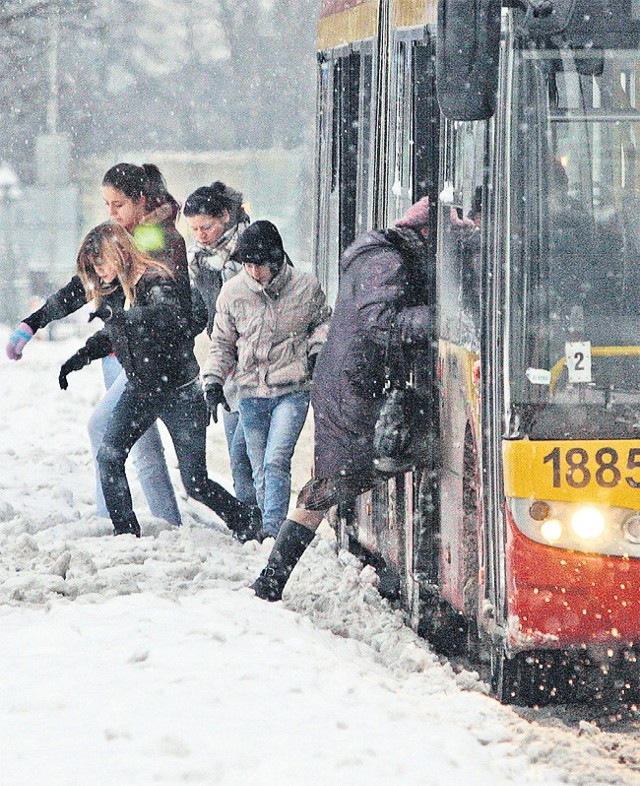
(321, 494)
(184, 413)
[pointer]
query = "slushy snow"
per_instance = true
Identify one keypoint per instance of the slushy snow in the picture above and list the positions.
(149, 661)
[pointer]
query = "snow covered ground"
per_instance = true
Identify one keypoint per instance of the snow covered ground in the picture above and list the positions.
(148, 661)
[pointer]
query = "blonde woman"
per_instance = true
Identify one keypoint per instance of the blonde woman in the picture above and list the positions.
(146, 326)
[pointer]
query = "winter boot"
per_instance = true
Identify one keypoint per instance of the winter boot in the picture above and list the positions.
(290, 545)
(128, 527)
(249, 525)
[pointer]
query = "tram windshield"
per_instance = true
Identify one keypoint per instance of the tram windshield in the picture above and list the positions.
(573, 317)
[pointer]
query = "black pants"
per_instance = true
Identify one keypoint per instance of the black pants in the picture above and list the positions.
(321, 494)
(184, 413)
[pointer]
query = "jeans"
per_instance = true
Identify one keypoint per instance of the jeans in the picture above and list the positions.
(184, 413)
(147, 453)
(239, 460)
(271, 429)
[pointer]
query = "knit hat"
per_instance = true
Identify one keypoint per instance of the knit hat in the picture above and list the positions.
(417, 215)
(260, 244)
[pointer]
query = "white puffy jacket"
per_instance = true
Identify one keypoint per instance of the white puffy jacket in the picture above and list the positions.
(265, 334)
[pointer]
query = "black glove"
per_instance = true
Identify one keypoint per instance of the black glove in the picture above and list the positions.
(214, 396)
(75, 363)
(107, 313)
(415, 324)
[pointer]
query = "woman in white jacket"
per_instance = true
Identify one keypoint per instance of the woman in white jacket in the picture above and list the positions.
(271, 321)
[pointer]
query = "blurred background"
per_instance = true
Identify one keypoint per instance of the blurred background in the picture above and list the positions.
(205, 89)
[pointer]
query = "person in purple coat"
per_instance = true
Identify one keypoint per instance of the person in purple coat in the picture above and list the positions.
(383, 293)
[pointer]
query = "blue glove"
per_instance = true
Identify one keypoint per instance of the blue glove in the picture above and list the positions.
(18, 340)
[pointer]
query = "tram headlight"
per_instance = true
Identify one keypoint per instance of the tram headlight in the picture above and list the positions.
(588, 523)
(631, 528)
(578, 526)
(551, 530)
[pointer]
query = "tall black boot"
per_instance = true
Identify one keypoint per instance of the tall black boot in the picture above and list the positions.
(290, 545)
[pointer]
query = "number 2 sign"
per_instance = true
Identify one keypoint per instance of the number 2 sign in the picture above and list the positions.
(578, 357)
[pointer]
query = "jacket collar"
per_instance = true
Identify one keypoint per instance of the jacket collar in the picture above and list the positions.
(274, 288)
(163, 214)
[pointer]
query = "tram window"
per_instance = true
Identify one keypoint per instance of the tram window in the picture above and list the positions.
(327, 215)
(415, 126)
(364, 179)
(401, 187)
(338, 164)
(346, 104)
(460, 235)
(575, 244)
(426, 121)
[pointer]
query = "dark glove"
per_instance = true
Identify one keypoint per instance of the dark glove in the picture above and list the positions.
(75, 363)
(311, 361)
(415, 324)
(214, 396)
(107, 313)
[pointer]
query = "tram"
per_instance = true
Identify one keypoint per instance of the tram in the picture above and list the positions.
(520, 539)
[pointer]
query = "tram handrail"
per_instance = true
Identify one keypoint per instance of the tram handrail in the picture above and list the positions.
(595, 351)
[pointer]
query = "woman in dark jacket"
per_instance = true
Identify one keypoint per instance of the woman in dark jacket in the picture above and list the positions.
(147, 327)
(383, 296)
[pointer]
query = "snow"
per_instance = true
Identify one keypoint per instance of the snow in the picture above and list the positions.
(149, 661)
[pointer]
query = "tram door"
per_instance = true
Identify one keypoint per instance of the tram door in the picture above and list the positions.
(391, 516)
(344, 158)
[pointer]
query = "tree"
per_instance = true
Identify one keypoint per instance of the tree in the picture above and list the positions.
(155, 74)
(26, 70)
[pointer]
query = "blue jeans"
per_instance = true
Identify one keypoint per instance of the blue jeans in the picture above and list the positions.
(185, 415)
(271, 429)
(147, 453)
(239, 460)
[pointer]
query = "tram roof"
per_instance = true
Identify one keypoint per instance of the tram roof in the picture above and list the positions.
(345, 21)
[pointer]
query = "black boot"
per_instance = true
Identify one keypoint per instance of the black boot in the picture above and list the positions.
(248, 526)
(128, 527)
(290, 545)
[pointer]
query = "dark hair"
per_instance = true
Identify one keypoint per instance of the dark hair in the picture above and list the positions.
(213, 200)
(139, 181)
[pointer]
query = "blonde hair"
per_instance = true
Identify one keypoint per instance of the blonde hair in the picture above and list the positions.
(130, 262)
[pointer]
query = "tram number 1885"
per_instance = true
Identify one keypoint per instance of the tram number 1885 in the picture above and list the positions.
(603, 468)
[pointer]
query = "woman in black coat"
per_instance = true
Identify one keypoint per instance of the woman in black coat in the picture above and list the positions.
(148, 326)
(383, 297)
